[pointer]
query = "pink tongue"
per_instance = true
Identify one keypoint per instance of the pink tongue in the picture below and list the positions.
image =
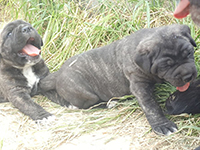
(182, 9)
(183, 88)
(31, 50)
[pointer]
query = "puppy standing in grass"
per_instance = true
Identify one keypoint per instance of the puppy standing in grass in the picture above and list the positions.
(128, 66)
(21, 68)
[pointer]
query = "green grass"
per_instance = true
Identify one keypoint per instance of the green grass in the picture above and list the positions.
(68, 28)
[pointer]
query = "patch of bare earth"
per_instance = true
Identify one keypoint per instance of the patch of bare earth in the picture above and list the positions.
(121, 128)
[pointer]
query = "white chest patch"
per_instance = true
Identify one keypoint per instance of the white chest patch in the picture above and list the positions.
(30, 76)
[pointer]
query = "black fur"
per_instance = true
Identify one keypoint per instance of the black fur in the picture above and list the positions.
(14, 85)
(185, 102)
(128, 66)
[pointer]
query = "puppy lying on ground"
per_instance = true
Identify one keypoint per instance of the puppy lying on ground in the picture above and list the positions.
(21, 68)
(128, 66)
(185, 102)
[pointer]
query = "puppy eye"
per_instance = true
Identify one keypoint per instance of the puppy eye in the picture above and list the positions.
(186, 53)
(189, 53)
(9, 34)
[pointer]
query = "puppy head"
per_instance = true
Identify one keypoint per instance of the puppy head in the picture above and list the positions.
(20, 44)
(168, 54)
(184, 102)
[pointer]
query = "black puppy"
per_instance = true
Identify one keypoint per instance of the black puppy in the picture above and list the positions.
(21, 68)
(185, 102)
(128, 66)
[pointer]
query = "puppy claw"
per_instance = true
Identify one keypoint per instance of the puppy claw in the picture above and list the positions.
(111, 104)
(173, 130)
(165, 128)
(51, 118)
(72, 107)
(46, 121)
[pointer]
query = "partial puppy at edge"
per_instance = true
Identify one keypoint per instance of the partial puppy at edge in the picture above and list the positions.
(22, 68)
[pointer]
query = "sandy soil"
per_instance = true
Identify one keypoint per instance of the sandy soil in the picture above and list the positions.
(77, 129)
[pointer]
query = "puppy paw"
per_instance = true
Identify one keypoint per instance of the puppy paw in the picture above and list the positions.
(111, 104)
(46, 121)
(165, 128)
(72, 107)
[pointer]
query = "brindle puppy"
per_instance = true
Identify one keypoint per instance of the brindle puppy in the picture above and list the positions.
(21, 68)
(128, 66)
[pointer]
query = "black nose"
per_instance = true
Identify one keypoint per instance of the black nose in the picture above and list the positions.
(187, 78)
(26, 29)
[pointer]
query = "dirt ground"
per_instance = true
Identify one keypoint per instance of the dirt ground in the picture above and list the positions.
(78, 129)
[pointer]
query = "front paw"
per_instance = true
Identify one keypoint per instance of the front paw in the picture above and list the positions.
(165, 128)
(41, 114)
(46, 121)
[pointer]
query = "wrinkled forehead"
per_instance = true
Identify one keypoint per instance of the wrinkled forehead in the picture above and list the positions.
(12, 25)
(180, 47)
(15, 24)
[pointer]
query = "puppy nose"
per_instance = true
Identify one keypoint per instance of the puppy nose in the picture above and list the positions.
(187, 78)
(26, 29)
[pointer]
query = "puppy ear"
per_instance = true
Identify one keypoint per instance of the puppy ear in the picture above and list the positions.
(187, 33)
(143, 56)
(191, 39)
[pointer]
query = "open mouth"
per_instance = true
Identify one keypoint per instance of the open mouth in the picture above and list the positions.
(29, 49)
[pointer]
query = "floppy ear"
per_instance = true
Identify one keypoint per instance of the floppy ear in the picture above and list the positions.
(144, 53)
(186, 32)
(191, 39)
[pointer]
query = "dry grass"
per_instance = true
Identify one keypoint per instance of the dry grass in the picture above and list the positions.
(68, 30)
(122, 128)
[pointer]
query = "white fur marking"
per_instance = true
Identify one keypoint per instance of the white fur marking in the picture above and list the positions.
(111, 104)
(30, 76)
(171, 132)
(47, 122)
(72, 107)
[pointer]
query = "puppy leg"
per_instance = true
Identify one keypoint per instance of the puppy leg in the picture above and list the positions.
(55, 97)
(159, 123)
(25, 104)
(76, 90)
(47, 87)
(2, 99)
(82, 99)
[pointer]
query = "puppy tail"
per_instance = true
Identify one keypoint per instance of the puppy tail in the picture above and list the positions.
(48, 83)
